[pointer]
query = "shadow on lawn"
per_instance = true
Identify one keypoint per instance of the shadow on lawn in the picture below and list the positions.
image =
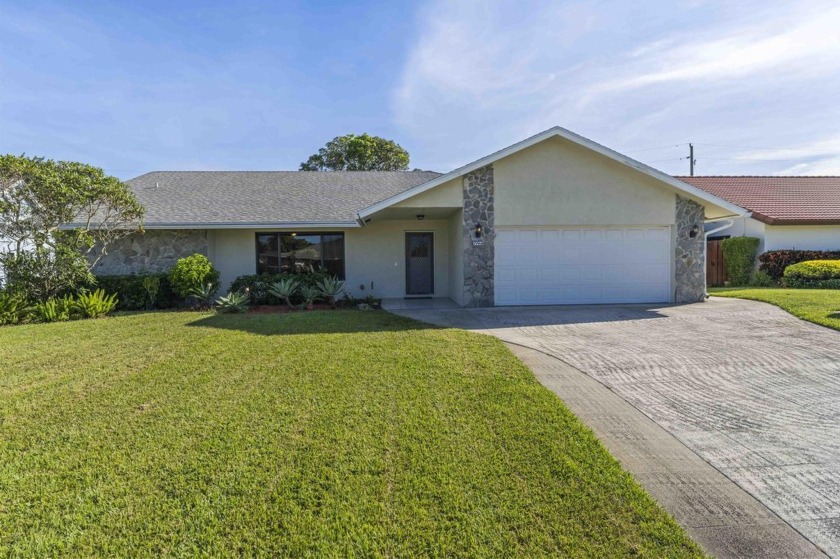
(311, 322)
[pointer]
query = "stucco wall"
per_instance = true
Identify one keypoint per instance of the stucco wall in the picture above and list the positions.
(446, 195)
(375, 253)
(456, 248)
(803, 237)
(779, 237)
(559, 183)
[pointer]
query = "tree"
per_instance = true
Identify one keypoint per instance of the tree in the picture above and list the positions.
(358, 153)
(57, 219)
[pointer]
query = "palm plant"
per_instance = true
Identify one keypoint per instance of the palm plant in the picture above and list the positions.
(285, 289)
(330, 287)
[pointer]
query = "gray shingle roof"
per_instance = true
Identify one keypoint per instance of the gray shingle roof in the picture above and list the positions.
(265, 197)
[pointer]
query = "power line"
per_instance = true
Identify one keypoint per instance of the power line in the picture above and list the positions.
(657, 147)
(672, 159)
(753, 147)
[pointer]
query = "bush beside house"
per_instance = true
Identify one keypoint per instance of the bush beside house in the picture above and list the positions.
(739, 254)
(774, 262)
(813, 274)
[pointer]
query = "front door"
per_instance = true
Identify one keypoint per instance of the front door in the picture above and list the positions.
(419, 264)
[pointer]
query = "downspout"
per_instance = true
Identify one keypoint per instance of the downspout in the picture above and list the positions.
(727, 222)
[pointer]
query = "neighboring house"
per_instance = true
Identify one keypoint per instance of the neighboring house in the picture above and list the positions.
(786, 212)
(554, 219)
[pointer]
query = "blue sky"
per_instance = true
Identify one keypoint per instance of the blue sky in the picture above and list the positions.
(140, 86)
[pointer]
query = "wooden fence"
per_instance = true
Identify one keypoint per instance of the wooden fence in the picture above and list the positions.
(715, 267)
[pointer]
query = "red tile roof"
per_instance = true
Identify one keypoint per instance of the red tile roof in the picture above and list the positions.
(778, 200)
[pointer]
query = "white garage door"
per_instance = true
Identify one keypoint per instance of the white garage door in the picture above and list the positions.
(583, 265)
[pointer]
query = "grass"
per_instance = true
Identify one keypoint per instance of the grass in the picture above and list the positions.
(820, 306)
(322, 434)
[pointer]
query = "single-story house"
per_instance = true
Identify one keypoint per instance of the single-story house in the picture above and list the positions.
(554, 219)
(786, 212)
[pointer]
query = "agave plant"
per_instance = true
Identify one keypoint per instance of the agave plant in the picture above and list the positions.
(309, 293)
(285, 289)
(233, 302)
(331, 287)
(204, 295)
(94, 304)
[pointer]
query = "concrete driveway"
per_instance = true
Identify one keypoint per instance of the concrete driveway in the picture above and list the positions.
(749, 388)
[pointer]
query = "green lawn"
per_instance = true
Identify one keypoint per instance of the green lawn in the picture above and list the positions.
(821, 306)
(322, 434)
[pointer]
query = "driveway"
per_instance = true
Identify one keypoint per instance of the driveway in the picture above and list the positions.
(751, 389)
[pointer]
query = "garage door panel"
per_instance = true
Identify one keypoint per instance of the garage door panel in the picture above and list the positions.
(583, 265)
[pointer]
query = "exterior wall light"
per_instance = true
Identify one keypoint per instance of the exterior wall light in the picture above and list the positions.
(694, 230)
(421, 217)
(478, 230)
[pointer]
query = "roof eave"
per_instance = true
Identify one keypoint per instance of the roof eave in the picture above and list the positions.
(574, 138)
(241, 225)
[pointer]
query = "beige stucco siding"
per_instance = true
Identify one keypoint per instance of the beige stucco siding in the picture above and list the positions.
(559, 183)
(456, 255)
(447, 195)
(373, 254)
(802, 237)
(234, 253)
(376, 253)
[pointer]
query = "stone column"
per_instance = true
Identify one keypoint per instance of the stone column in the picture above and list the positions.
(479, 253)
(690, 274)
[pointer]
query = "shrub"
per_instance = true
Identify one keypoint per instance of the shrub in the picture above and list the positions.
(774, 262)
(233, 302)
(258, 286)
(94, 304)
(133, 291)
(762, 279)
(13, 309)
(151, 285)
(54, 310)
(818, 274)
(192, 272)
(739, 255)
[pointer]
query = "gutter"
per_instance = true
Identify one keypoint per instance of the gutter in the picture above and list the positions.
(240, 225)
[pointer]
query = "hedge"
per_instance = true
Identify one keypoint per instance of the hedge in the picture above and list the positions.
(739, 255)
(257, 286)
(774, 262)
(814, 274)
(132, 295)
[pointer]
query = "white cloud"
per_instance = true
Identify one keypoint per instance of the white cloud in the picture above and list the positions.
(631, 75)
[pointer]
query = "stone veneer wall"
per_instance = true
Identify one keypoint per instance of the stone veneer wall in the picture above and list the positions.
(151, 251)
(690, 275)
(478, 259)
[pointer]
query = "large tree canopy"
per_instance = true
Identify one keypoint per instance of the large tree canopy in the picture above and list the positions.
(358, 153)
(38, 199)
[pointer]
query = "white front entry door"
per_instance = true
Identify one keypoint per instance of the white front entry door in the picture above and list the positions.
(582, 265)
